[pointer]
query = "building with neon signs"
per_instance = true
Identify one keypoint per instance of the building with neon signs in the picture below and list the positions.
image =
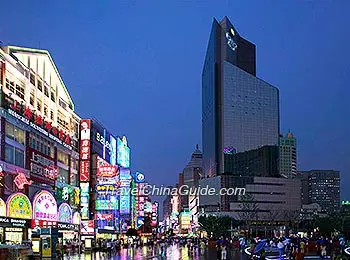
(104, 172)
(39, 149)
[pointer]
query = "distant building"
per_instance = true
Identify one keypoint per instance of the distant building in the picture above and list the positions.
(191, 175)
(261, 162)
(266, 198)
(311, 211)
(322, 187)
(240, 112)
(288, 155)
(167, 207)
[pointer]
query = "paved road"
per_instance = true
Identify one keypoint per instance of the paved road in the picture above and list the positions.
(173, 252)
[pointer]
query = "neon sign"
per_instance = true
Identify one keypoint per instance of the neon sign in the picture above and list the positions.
(110, 204)
(123, 152)
(45, 206)
(230, 41)
(84, 200)
(21, 180)
(19, 206)
(27, 116)
(107, 171)
(85, 128)
(2, 208)
(65, 213)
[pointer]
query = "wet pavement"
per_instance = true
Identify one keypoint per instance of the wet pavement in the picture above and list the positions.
(172, 252)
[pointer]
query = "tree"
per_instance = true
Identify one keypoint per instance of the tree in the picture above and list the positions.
(216, 225)
(249, 210)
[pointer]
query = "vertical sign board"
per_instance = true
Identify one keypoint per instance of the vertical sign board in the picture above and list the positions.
(85, 129)
(85, 156)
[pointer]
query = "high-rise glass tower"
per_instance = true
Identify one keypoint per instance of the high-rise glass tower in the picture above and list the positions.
(240, 112)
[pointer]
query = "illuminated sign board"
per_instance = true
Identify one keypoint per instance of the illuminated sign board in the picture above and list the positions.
(20, 180)
(154, 216)
(230, 41)
(125, 180)
(84, 200)
(2, 208)
(123, 152)
(107, 171)
(110, 204)
(139, 177)
(19, 206)
(85, 149)
(103, 143)
(87, 227)
(45, 206)
(28, 117)
(65, 213)
(42, 167)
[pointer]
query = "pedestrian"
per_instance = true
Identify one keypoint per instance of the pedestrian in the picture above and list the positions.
(223, 252)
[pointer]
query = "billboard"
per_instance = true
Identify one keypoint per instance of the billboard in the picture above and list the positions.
(125, 180)
(103, 143)
(123, 152)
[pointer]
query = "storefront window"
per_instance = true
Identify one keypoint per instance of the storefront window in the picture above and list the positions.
(15, 133)
(14, 155)
(63, 158)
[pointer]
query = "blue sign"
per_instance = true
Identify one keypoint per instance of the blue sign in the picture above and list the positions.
(123, 153)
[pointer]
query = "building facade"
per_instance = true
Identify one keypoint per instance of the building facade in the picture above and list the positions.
(288, 155)
(261, 162)
(240, 112)
(321, 187)
(39, 151)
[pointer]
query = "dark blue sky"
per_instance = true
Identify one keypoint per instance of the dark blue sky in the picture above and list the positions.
(136, 66)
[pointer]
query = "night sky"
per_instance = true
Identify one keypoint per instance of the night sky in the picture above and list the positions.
(136, 66)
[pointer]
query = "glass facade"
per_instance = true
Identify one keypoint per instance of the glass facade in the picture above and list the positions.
(251, 110)
(240, 112)
(209, 76)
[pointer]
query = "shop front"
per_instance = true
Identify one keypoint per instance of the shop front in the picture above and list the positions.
(44, 224)
(14, 227)
(67, 231)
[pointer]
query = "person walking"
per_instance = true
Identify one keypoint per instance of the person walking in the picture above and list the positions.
(223, 252)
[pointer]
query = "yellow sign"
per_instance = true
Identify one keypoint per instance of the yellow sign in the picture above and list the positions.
(19, 206)
(2, 208)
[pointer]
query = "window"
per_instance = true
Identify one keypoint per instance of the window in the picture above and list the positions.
(10, 85)
(53, 94)
(74, 164)
(51, 115)
(63, 158)
(14, 155)
(32, 97)
(41, 144)
(62, 104)
(61, 120)
(45, 110)
(15, 133)
(20, 91)
(46, 91)
(38, 105)
(32, 78)
(40, 85)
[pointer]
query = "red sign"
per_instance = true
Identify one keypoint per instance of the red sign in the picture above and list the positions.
(21, 180)
(25, 114)
(84, 149)
(104, 216)
(84, 170)
(107, 171)
(43, 223)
